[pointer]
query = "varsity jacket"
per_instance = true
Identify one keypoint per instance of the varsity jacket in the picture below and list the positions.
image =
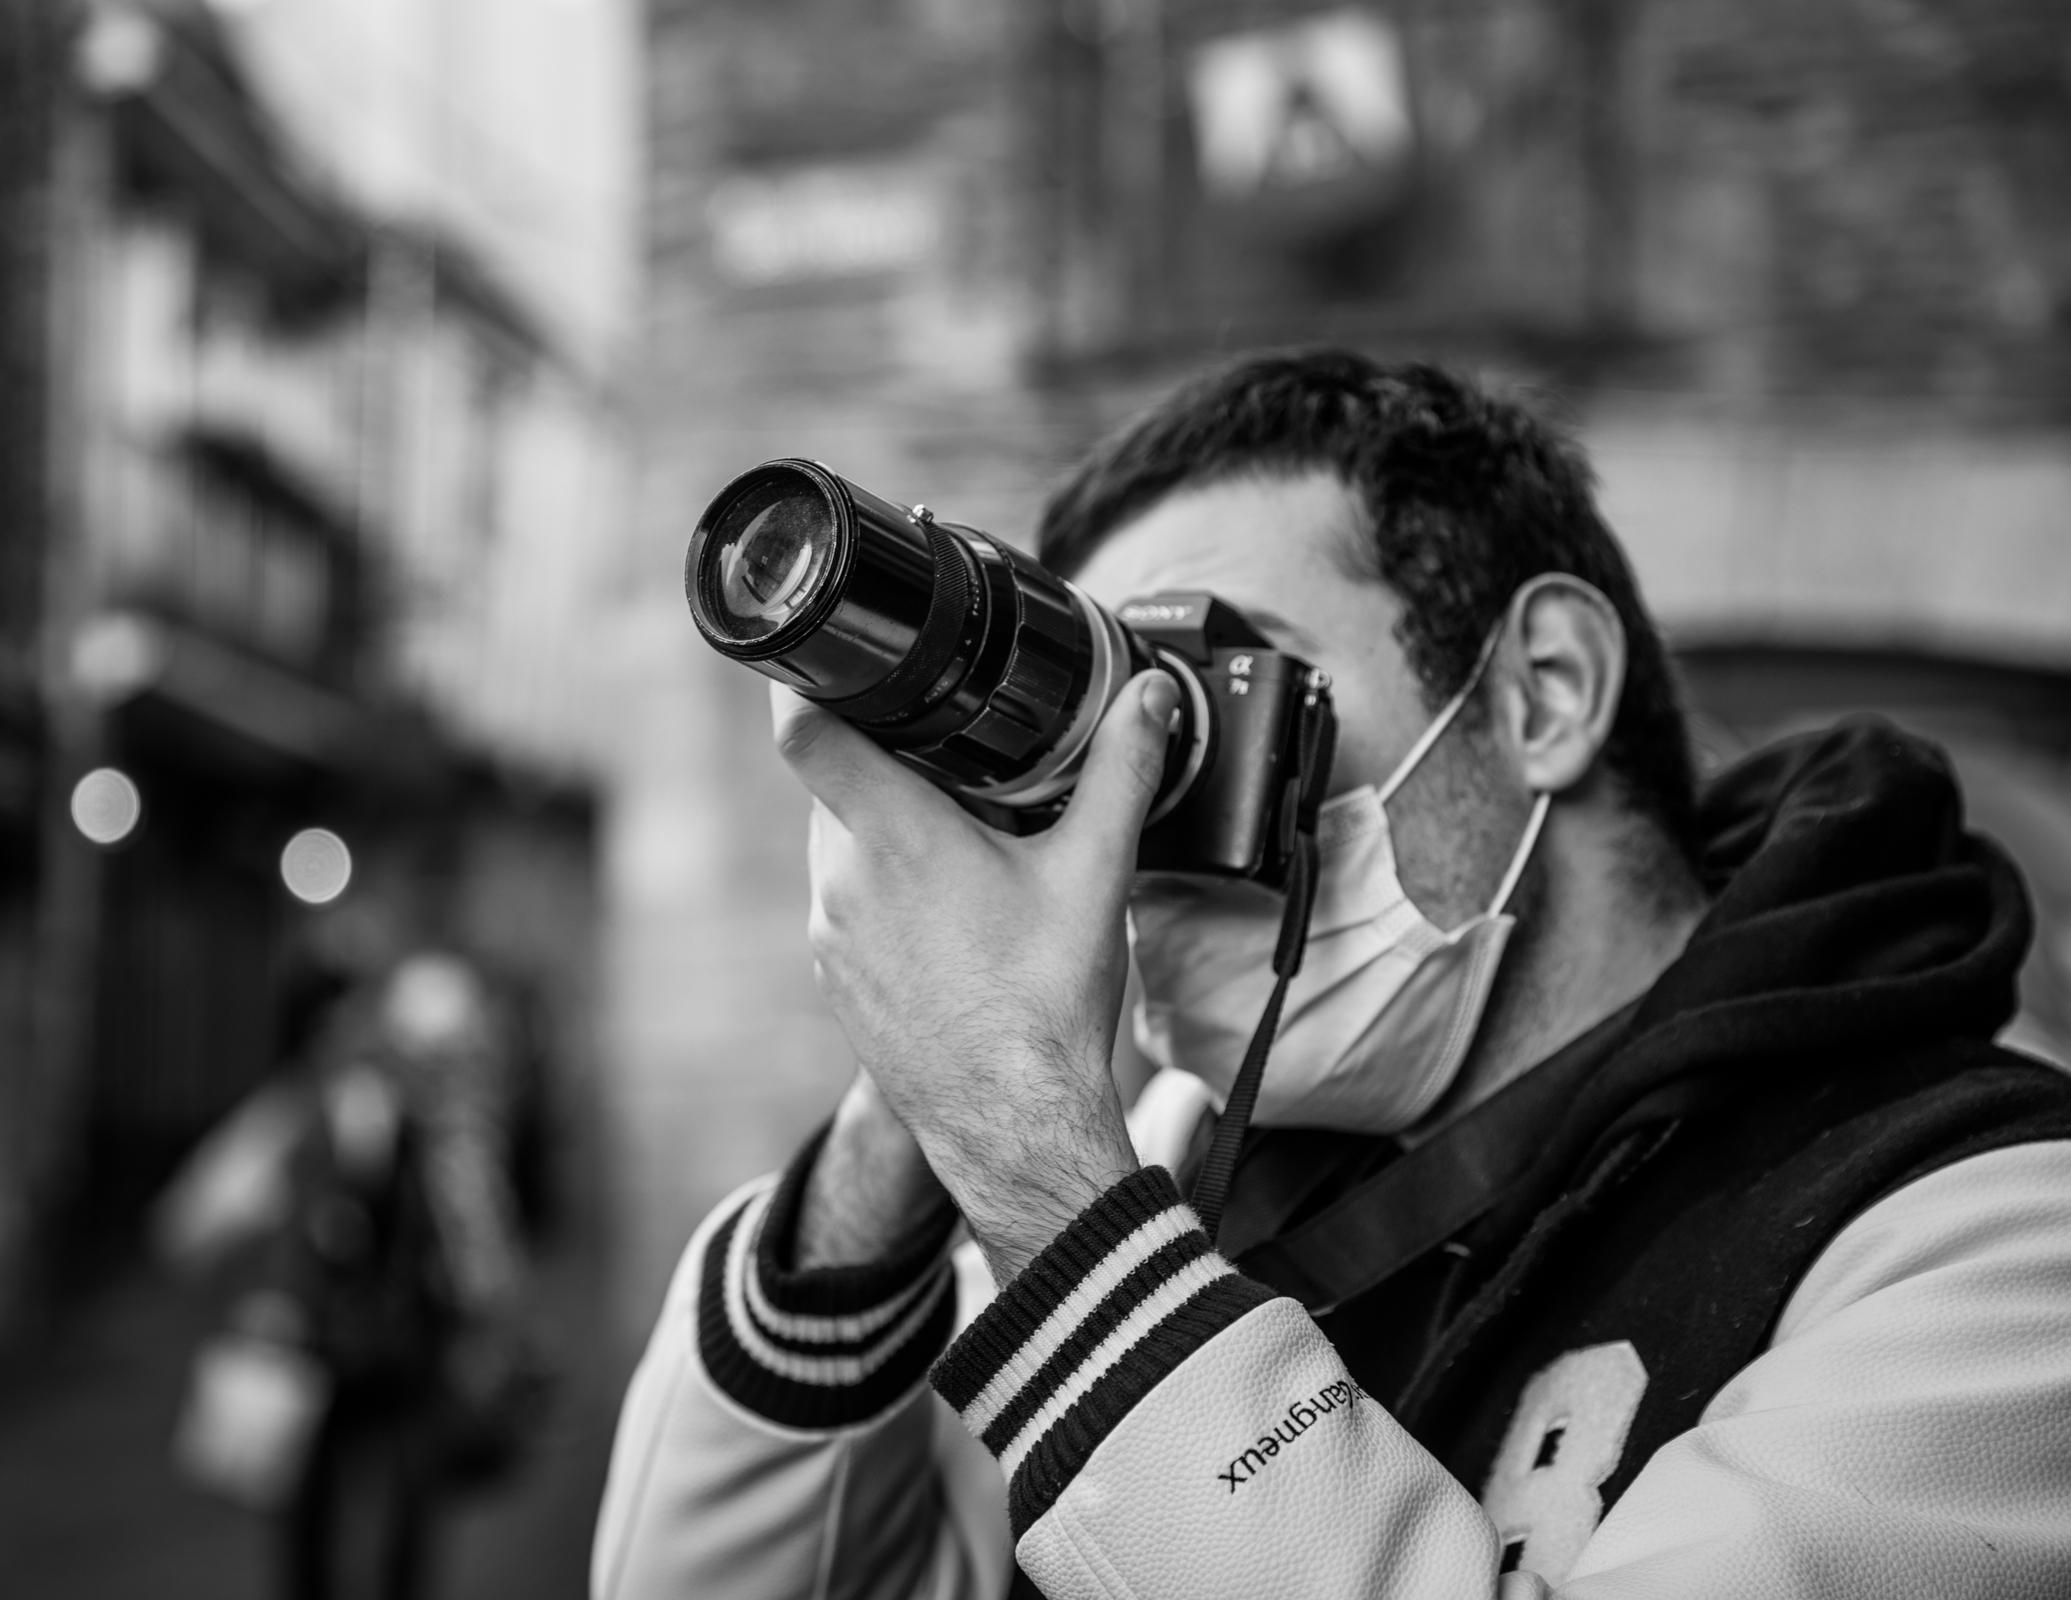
(1772, 1298)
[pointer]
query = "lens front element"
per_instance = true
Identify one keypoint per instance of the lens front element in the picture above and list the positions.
(761, 573)
(775, 545)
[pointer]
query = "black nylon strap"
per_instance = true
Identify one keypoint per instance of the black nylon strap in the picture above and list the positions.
(1433, 1191)
(1212, 1185)
(1286, 1174)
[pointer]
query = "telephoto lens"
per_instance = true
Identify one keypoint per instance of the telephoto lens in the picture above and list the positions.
(946, 646)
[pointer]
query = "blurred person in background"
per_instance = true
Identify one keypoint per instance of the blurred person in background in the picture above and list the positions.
(1638, 1205)
(375, 1352)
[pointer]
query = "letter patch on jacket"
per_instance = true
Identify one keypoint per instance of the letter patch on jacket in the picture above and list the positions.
(1564, 1440)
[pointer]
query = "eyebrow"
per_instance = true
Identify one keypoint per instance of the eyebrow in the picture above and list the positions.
(1271, 622)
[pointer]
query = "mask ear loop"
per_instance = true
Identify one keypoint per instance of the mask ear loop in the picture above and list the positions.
(1432, 734)
(1541, 803)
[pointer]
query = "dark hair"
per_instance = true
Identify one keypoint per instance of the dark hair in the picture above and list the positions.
(1468, 497)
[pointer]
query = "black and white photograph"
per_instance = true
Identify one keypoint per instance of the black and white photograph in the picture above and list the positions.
(1035, 799)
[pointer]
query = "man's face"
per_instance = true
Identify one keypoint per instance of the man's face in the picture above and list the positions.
(1285, 552)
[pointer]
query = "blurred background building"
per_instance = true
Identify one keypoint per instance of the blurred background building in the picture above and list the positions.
(1799, 275)
(313, 324)
(312, 480)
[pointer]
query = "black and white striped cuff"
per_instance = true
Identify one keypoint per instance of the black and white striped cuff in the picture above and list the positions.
(1119, 1300)
(828, 1347)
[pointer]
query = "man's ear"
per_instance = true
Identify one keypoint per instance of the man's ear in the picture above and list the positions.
(1567, 653)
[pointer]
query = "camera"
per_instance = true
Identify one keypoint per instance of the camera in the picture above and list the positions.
(988, 673)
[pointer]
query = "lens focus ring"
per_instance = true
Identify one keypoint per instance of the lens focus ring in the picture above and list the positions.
(904, 694)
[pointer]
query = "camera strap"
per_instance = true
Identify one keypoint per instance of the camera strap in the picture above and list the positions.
(1212, 1184)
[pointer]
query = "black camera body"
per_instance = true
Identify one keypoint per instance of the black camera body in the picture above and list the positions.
(1266, 758)
(988, 674)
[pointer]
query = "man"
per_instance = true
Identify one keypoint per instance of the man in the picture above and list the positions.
(1637, 1209)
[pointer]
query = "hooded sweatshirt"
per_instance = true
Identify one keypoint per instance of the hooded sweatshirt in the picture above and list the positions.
(1761, 1288)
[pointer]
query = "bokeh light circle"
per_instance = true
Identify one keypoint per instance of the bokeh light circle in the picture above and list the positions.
(316, 866)
(107, 805)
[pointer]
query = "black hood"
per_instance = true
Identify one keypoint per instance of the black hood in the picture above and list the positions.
(1853, 919)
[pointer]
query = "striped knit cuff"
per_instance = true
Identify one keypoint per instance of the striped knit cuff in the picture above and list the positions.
(828, 1347)
(1120, 1299)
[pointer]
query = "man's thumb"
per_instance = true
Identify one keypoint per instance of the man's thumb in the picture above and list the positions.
(1123, 766)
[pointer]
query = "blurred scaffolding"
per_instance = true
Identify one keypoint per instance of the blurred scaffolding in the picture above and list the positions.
(1800, 275)
(311, 314)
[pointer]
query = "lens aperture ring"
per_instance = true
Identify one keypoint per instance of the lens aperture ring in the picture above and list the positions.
(1058, 769)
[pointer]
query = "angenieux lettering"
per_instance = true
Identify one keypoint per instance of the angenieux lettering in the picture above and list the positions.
(1301, 1416)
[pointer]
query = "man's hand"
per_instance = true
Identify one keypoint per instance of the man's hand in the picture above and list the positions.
(978, 976)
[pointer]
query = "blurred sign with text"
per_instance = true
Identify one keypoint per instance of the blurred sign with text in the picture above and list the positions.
(840, 220)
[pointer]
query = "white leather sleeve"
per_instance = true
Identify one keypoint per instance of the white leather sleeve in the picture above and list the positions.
(1907, 1436)
(1167, 1428)
(870, 1491)
(882, 1496)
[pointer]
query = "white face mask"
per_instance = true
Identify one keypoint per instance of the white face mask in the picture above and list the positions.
(1378, 1019)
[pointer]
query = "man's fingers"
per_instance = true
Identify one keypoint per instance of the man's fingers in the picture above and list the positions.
(1122, 770)
(859, 783)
